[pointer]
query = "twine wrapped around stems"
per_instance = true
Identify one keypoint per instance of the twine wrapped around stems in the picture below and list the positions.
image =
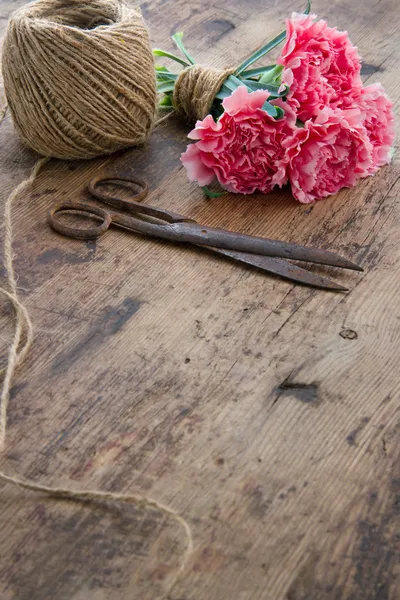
(195, 90)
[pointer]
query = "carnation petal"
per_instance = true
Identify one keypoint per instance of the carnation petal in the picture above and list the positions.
(207, 125)
(247, 150)
(256, 99)
(196, 170)
(325, 65)
(235, 102)
(287, 78)
(377, 110)
(335, 154)
(243, 100)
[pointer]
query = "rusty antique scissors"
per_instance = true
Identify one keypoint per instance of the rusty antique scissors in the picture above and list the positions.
(265, 254)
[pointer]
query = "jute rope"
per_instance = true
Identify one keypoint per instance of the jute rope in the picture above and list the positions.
(16, 355)
(79, 77)
(94, 495)
(80, 82)
(17, 352)
(195, 90)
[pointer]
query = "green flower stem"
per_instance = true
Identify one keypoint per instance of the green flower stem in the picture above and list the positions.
(177, 38)
(259, 78)
(273, 76)
(211, 194)
(158, 52)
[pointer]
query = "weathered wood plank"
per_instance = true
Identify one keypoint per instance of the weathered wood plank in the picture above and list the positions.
(247, 404)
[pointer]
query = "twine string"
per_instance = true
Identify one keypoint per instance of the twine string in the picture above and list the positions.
(23, 326)
(96, 58)
(195, 90)
(93, 495)
(21, 343)
(79, 77)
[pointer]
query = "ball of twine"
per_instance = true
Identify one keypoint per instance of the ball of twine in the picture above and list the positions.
(79, 77)
(195, 90)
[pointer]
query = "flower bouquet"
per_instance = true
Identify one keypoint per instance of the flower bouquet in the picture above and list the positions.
(306, 120)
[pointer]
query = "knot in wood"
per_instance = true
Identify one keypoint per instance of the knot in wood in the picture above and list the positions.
(195, 90)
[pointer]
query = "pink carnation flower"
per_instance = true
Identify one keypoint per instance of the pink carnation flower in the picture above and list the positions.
(332, 152)
(379, 123)
(322, 66)
(246, 149)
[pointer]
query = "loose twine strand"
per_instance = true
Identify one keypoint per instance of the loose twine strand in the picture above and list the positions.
(65, 136)
(17, 354)
(93, 495)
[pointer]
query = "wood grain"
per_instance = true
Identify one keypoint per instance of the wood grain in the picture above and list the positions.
(266, 414)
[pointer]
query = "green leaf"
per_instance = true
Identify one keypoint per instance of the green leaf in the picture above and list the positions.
(274, 76)
(261, 52)
(165, 86)
(257, 85)
(231, 84)
(271, 110)
(177, 38)
(267, 48)
(210, 194)
(235, 80)
(158, 52)
(161, 76)
(166, 100)
(257, 71)
(160, 68)
(223, 93)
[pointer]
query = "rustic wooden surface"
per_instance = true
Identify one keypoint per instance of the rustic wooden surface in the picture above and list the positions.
(264, 413)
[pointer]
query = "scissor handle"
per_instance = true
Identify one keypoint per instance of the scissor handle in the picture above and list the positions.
(132, 206)
(112, 200)
(75, 232)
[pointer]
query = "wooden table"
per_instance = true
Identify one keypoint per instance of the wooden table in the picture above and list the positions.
(266, 414)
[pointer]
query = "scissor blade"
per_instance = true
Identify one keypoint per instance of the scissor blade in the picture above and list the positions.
(230, 240)
(270, 264)
(282, 268)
